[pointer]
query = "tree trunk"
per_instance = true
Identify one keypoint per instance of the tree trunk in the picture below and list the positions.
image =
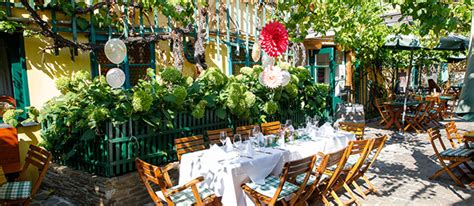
(466, 99)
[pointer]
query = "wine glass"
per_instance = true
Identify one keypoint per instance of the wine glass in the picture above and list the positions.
(256, 130)
(316, 120)
(222, 137)
(238, 141)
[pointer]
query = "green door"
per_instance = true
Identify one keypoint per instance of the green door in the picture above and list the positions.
(324, 71)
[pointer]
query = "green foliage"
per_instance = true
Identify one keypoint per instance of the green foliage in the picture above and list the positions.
(8, 26)
(171, 75)
(86, 104)
(10, 116)
(270, 107)
(436, 18)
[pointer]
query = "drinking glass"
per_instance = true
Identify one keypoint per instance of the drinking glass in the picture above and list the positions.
(222, 137)
(238, 140)
(256, 130)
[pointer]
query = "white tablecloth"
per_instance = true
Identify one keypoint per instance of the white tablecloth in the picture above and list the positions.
(224, 175)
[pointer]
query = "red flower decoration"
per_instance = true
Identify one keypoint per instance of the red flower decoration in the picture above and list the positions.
(274, 39)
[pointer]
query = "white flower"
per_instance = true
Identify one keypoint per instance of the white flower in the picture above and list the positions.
(271, 77)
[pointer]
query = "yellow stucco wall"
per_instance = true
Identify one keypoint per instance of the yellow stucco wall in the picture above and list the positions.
(44, 68)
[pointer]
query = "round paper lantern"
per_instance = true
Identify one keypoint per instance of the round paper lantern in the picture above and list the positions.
(256, 52)
(267, 61)
(115, 78)
(286, 77)
(115, 50)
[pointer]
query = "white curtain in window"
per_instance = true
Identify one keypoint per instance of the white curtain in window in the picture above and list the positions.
(5, 72)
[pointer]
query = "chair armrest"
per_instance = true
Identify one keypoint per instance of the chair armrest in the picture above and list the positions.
(170, 166)
(187, 185)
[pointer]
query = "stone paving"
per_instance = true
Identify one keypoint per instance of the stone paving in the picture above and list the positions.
(400, 174)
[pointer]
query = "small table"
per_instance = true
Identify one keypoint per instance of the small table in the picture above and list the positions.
(468, 137)
(395, 109)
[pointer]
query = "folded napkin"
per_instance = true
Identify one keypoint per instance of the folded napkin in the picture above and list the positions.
(228, 145)
(249, 151)
(326, 130)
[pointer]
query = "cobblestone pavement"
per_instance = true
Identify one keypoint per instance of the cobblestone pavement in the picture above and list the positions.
(400, 174)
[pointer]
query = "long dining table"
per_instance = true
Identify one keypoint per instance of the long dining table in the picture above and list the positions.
(224, 173)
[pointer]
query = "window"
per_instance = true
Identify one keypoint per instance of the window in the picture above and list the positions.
(140, 58)
(6, 85)
(13, 79)
(240, 58)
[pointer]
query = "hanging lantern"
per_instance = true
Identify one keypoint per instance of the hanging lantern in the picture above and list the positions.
(286, 77)
(115, 78)
(267, 61)
(115, 50)
(256, 52)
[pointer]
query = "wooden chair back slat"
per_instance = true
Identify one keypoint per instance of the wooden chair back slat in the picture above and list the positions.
(245, 131)
(453, 135)
(39, 158)
(338, 158)
(151, 173)
(377, 145)
(435, 136)
(355, 128)
(271, 127)
(213, 135)
(363, 153)
(290, 171)
(189, 144)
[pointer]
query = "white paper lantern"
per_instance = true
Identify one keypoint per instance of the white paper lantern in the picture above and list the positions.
(286, 77)
(115, 78)
(256, 52)
(267, 61)
(115, 50)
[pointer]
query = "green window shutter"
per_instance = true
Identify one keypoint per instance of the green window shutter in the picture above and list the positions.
(19, 76)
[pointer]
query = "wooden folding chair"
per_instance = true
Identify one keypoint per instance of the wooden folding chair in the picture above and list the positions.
(277, 189)
(454, 156)
(436, 110)
(377, 145)
(358, 154)
(336, 160)
(189, 144)
(271, 127)
(412, 119)
(213, 136)
(187, 194)
(456, 140)
(356, 128)
(384, 116)
(20, 191)
(454, 137)
(245, 131)
(425, 118)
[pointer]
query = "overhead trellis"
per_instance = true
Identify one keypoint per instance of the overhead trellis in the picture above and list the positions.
(232, 24)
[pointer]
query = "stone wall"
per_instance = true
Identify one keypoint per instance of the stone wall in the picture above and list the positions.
(88, 189)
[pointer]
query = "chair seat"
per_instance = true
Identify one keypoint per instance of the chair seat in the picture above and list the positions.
(185, 197)
(460, 152)
(300, 178)
(15, 190)
(471, 146)
(271, 185)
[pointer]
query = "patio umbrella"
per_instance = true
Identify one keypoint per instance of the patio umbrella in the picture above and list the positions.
(411, 42)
